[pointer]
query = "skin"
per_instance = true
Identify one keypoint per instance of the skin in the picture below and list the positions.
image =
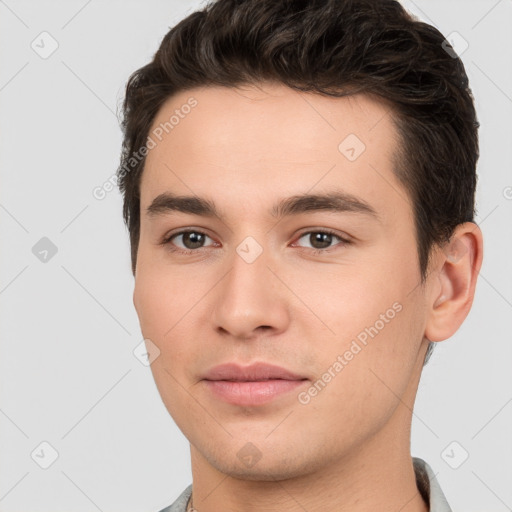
(245, 149)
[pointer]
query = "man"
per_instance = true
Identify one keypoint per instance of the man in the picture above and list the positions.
(299, 182)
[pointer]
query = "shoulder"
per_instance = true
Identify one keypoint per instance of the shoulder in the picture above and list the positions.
(180, 504)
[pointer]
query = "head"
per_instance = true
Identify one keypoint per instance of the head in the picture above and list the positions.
(249, 103)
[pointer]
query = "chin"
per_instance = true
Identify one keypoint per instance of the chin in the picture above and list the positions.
(247, 462)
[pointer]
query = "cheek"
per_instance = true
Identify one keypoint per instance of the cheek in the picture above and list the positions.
(162, 312)
(377, 320)
(160, 296)
(160, 307)
(171, 303)
(366, 295)
(151, 299)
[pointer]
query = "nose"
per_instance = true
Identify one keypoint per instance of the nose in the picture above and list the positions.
(250, 299)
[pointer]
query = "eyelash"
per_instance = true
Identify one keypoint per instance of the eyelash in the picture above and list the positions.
(167, 241)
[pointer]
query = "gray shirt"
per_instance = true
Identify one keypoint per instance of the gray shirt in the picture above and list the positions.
(426, 481)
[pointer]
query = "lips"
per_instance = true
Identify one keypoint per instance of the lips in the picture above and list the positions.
(252, 385)
(253, 372)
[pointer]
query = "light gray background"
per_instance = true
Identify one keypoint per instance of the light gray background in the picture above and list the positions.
(68, 373)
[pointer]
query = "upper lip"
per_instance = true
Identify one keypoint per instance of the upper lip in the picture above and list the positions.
(253, 372)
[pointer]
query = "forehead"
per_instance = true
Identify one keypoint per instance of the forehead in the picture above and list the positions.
(254, 142)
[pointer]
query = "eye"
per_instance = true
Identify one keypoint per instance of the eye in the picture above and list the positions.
(322, 239)
(191, 241)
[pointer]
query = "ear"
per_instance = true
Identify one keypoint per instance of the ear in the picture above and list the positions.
(453, 281)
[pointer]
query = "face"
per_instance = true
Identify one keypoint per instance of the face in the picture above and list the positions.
(251, 269)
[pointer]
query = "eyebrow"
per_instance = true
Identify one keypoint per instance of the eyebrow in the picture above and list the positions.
(337, 201)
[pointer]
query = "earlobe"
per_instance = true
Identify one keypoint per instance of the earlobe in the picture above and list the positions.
(457, 266)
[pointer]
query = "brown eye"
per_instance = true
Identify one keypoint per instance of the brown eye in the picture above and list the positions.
(322, 239)
(191, 240)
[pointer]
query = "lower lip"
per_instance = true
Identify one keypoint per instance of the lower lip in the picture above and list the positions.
(253, 392)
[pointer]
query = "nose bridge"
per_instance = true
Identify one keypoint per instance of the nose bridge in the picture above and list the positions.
(249, 275)
(247, 297)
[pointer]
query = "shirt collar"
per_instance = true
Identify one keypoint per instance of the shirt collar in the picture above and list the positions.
(429, 487)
